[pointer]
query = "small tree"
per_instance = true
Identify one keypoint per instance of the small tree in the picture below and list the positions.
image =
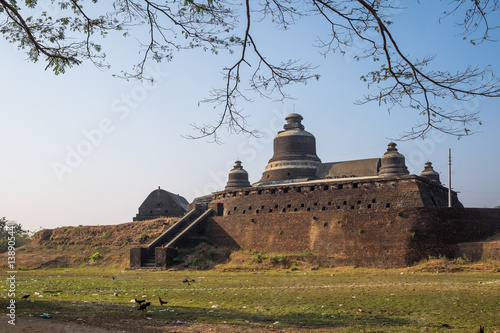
(10, 229)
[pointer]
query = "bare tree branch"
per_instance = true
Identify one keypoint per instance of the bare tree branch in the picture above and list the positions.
(400, 82)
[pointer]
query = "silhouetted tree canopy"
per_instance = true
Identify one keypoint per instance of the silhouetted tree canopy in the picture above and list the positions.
(71, 32)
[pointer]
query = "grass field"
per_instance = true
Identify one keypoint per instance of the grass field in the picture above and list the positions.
(339, 300)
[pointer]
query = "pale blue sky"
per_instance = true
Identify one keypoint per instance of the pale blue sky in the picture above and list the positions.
(44, 117)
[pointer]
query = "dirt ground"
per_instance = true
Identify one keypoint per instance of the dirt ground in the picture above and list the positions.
(40, 325)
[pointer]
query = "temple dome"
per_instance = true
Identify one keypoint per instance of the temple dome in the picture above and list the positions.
(392, 163)
(294, 154)
(161, 203)
(430, 174)
(238, 177)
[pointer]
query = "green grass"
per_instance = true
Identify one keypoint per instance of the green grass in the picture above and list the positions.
(344, 300)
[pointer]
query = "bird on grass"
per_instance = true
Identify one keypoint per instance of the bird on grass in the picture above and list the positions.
(144, 306)
(186, 280)
(139, 301)
(25, 296)
(161, 301)
(481, 329)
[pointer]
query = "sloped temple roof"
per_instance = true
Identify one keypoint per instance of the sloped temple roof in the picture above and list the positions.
(357, 168)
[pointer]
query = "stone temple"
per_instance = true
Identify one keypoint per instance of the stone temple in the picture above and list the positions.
(161, 203)
(295, 167)
(368, 212)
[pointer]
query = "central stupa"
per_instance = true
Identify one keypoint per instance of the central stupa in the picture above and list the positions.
(294, 155)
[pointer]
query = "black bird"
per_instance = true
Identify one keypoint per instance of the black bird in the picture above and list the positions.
(25, 296)
(144, 306)
(113, 277)
(139, 302)
(481, 329)
(185, 281)
(162, 302)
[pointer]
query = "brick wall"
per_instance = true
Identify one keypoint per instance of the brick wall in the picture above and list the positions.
(376, 237)
(346, 195)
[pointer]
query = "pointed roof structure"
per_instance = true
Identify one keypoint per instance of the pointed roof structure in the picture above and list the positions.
(294, 154)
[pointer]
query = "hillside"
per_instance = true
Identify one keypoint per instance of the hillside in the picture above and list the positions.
(71, 246)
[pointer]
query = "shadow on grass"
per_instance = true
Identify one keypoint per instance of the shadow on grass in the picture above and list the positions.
(127, 316)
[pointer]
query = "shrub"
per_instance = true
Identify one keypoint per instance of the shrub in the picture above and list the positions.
(144, 237)
(196, 261)
(259, 258)
(462, 260)
(279, 259)
(95, 256)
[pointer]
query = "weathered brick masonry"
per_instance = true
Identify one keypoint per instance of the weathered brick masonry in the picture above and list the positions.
(354, 193)
(379, 237)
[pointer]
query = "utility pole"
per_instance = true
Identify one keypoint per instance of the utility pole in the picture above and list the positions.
(449, 177)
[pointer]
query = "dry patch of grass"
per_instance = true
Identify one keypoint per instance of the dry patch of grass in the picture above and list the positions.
(443, 265)
(259, 261)
(253, 260)
(133, 233)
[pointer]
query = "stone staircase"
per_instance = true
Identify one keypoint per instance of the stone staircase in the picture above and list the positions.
(168, 241)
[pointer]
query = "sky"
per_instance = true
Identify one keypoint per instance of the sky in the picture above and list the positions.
(85, 148)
